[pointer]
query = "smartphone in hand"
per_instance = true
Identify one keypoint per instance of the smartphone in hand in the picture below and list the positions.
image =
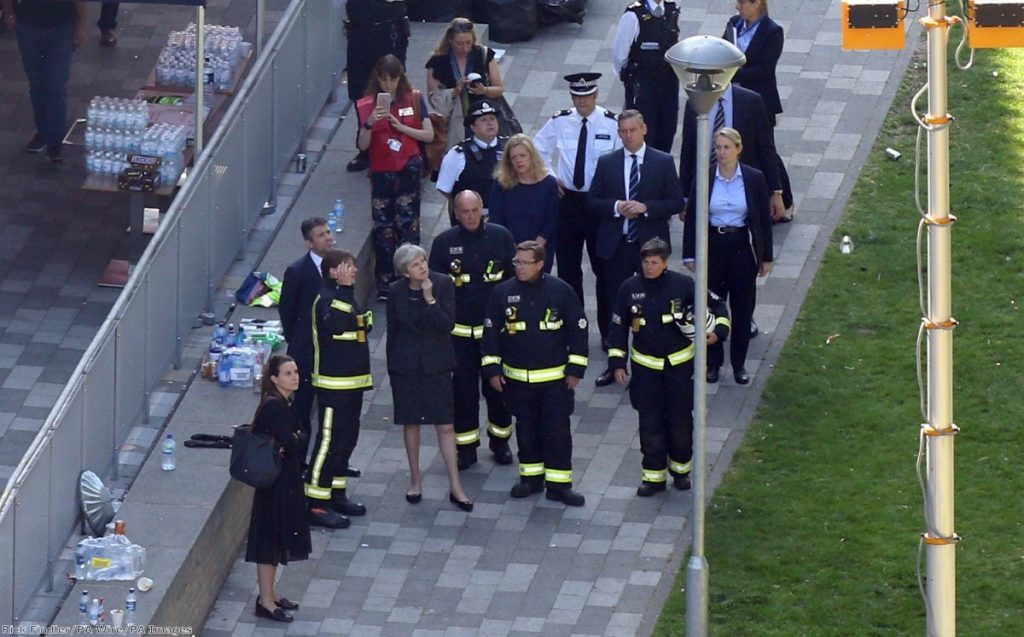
(384, 101)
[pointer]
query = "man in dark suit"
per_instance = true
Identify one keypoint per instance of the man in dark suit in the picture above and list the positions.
(634, 194)
(743, 110)
(302, 282)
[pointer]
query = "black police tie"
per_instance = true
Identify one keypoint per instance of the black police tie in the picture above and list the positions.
(632, 227)
(579, 170)
(719, 125)
(659, 10)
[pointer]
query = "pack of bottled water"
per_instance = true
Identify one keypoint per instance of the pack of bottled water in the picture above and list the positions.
(114, 128)
(111, 557)
(176, 65)
(166, 141)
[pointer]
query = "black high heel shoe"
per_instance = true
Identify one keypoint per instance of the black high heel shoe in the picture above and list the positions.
(287, 604)
(465, 505)
(278, 614)
(413, 498)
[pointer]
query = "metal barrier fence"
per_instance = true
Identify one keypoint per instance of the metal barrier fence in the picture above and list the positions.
(199, 237)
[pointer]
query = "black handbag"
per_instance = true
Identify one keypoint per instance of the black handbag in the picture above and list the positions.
(508, 123)
(254, 458)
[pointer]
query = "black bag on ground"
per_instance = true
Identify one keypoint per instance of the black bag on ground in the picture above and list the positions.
(509, 20)
(254, 458)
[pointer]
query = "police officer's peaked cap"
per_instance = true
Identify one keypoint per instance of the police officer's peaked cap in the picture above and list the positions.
(480, 109)
(582, 83)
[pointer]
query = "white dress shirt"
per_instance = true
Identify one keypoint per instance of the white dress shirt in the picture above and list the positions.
(629, 29)
(561, 133)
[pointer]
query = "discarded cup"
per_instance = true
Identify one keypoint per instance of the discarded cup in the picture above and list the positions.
(144, 584)
(117, 618)
(893, 154)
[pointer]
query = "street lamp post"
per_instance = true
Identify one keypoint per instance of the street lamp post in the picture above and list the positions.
(705, 65)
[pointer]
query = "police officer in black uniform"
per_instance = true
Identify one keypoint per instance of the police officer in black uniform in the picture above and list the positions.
(477, 256)
(646, 31)
(470, 164)
(657, 308)
(341, 373)
(374, 28)
(535, 353)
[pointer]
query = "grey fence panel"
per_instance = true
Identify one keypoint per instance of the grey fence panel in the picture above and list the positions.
(130, 379)
(66, 447)
(100, 413)
(319, 56)
(194, 258)
(7, 565)
(226, 191)
(162, 327)
(258, 149)
(31, 529)
(289, 70)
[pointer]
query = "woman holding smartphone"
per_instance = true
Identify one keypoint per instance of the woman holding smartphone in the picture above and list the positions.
(393, 123)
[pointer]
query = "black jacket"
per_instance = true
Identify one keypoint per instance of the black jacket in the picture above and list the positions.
(341, 354)
(302, 282)
(759, 217)
(763, 53)
(419, 335)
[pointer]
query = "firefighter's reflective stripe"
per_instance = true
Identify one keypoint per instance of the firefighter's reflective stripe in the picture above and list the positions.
(614, 352)
(493, 278)
(652, 475)
(517, 326)
(723, 320)
(563, 476)
(468, 437)
(679, 467)
(490, 360)
(527, 469)
(341, 383)
(577, 359)
(347, 336)
(459, 279)
(339, 483)
(499, 431)
(658, 364)
(341, 305)
(667, 318)
(468, 331)
(326, 434)
(534, 375)
(550, 326)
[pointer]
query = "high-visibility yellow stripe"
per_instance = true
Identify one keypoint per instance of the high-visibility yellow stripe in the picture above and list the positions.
(339, 483)
(528, 469)
(723, 320)
(563, 476)
(326, 433)
(550, 326)
(343, 306)
(651, 475)
(683, 355)
(614, 352)
(468, 331)
(467, 437)
(317, 493)
(493, 278)
(490, 360)
(576, 359)
(667, 318)
(679, 467)
(343, 383)
(650, 362)
(346, 336)
(534, 375)
(498, 431)
(518, 326)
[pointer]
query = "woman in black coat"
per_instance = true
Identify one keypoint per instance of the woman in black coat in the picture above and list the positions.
(421, 358)
(739, 245)
(278, 529)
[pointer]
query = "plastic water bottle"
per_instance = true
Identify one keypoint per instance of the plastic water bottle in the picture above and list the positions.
(80, 568)
(232, 339)
(224, 370)
(220, 334)
(240, 337)
(846, 245)
(167, 451)
(339, 215)
(83, 608)
(102, 615)
(94, 612)
(129, 608)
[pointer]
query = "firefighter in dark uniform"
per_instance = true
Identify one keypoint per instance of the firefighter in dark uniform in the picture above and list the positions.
(477, 256)
(341, 373)
(657, 308)
(535, 353)
(470, 164)
(646, 31)
(374, 28)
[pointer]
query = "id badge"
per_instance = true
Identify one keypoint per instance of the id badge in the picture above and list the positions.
(406, 112)
(395, 145)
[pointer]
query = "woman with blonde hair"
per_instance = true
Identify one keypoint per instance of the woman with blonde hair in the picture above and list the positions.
(525, 196)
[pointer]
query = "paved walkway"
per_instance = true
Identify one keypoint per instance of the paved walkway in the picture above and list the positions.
(532, 567)
(55, 239)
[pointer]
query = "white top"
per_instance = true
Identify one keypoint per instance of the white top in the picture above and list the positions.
(561, 133)
(629, 28)
(454, 162)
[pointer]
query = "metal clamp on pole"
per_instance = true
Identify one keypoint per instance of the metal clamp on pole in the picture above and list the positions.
(929, 324)
(928, 430)
(947, 220)
(935, 540)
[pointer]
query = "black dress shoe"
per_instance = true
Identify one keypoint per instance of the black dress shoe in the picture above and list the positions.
(352, 472)
(322, 516)
(359, 163)
(465, 505)
(606, 378)
(413, 498)
(712, 376)
(741, 376)
(278, 614)
(647, 489)
(753, 329)
(344, 506)
(53, 153)
(681, 482)
(466, 457)
(35, 145)
(524, 489)
(287, 604)
(501, 451)
(568, 497)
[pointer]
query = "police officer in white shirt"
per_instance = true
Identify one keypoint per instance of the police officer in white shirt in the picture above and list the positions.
(570, 143)
(469, 165)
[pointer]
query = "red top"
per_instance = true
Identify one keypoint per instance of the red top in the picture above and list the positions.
(389, 149)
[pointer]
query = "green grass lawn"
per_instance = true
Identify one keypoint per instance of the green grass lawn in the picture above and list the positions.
(814, 530)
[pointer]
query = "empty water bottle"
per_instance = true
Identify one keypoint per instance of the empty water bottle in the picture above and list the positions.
(167, 461)
(94, 612)
(80, 566)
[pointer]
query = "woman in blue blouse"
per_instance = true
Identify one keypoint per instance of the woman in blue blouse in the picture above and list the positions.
(524, 198)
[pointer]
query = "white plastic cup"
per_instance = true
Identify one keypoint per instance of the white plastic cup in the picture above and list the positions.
(117, 618)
